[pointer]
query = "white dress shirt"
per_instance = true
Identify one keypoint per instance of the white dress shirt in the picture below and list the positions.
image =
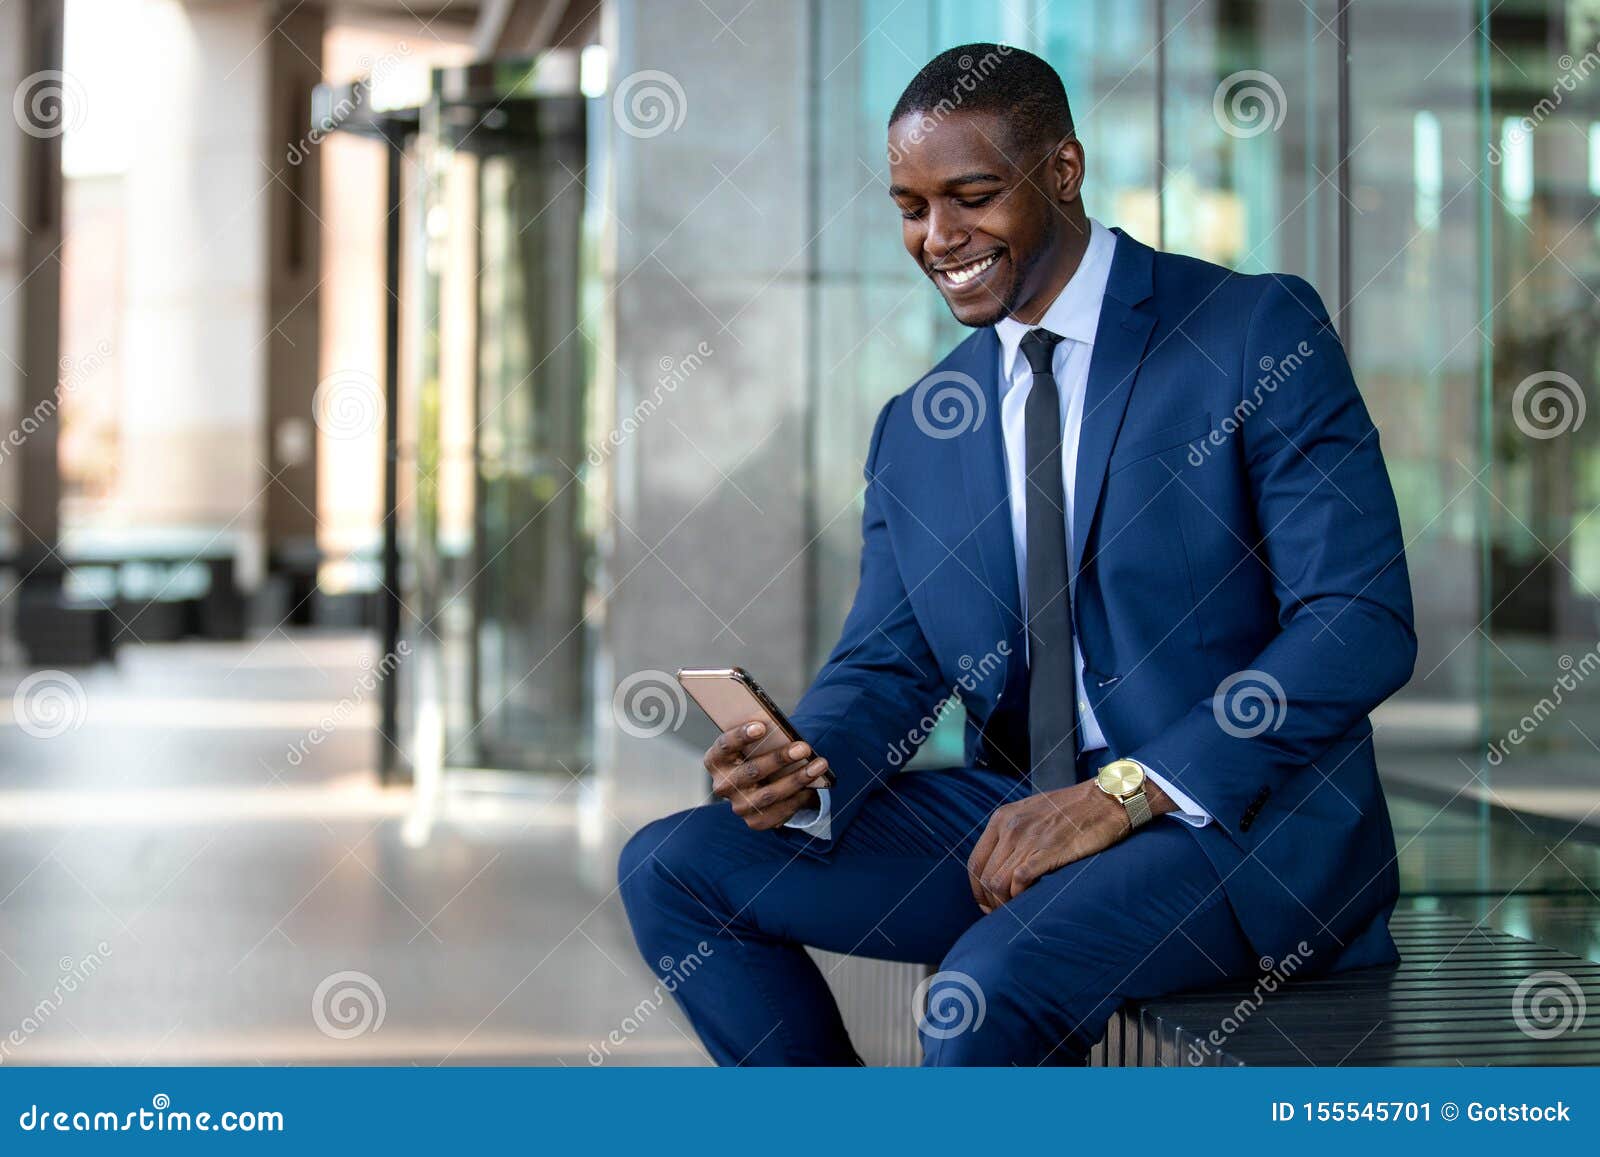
(1075, 315)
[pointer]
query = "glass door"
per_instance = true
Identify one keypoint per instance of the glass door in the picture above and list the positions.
(498, 547)
(528, 648)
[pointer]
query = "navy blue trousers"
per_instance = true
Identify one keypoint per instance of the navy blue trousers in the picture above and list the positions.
(722, 913)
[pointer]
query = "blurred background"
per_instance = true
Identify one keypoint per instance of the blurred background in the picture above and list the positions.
(396, 391)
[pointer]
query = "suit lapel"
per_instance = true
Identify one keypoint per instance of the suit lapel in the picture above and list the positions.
(1119, 346)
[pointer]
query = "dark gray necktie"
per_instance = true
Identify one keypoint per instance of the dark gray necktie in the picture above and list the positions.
(1052, 679)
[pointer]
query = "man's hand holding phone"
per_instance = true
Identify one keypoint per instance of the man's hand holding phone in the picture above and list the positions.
(766, 791)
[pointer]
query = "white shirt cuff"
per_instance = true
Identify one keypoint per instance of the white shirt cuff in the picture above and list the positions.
(1188, 811)
(818, 821)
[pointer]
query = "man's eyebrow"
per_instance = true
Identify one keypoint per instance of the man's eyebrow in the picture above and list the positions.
(971, 179)
(952, 183)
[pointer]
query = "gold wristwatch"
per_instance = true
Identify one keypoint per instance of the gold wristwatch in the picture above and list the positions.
(1123, 780)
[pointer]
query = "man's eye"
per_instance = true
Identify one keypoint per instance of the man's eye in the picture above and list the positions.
(910, 214)
(974, 202)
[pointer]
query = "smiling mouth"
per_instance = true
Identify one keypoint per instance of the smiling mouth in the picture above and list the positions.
(961, 274)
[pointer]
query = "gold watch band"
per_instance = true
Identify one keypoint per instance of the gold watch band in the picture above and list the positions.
(1138, 806)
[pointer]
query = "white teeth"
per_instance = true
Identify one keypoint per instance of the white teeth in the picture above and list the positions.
(966, 274)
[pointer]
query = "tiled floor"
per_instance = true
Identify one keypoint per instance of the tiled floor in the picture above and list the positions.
(178, 884)
(175, 886)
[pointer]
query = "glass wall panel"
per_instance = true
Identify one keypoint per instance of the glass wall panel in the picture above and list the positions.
(1416, 294)
(879, 324)
(1250, 149)
(1541, 620)
(1432, 168)
(1539, 182)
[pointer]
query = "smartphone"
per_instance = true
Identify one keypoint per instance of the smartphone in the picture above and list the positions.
(729, 697)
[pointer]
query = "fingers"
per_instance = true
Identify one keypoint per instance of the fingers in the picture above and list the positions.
(782, 812)
(732, 780)
(978, 862)
(1026, 873)
(728, 748)
(776, 794)
(1002, 879)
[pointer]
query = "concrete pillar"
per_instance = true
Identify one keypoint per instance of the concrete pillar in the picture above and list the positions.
(217, 263)
(30, 277)
(294, 277)
(704, 457)
(191, 413)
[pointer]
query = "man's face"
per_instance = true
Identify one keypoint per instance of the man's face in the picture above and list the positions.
(980, 220)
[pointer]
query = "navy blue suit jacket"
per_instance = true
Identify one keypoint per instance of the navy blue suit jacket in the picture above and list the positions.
(1232, 515)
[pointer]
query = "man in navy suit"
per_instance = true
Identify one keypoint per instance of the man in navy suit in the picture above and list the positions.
(1138, 525)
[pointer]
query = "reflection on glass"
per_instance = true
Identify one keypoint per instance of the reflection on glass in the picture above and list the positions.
(1435, 177)
(499, 548)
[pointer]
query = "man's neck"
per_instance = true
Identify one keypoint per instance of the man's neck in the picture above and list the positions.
(1075, 245)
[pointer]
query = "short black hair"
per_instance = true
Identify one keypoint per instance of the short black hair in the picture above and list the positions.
(993, 78)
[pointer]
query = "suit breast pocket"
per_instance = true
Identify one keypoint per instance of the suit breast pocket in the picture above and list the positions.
(1156, 442)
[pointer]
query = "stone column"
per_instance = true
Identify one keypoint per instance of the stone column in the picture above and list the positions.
(704, 453)
(38, 105)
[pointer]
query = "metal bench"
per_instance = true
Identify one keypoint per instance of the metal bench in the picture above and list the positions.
(1462, 994)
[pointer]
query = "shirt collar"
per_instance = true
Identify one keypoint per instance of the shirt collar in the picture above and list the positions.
(1075, 313)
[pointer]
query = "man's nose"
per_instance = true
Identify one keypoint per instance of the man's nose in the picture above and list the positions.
(945, 235)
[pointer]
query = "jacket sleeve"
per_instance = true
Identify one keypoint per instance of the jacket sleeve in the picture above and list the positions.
(881, 677)
(1328, 530)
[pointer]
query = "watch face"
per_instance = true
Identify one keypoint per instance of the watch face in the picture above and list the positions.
(1121, 777)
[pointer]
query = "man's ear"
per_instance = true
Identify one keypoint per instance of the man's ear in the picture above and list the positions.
(1066, 169)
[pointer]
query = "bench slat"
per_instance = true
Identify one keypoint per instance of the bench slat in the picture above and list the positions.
(1449, 1001)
